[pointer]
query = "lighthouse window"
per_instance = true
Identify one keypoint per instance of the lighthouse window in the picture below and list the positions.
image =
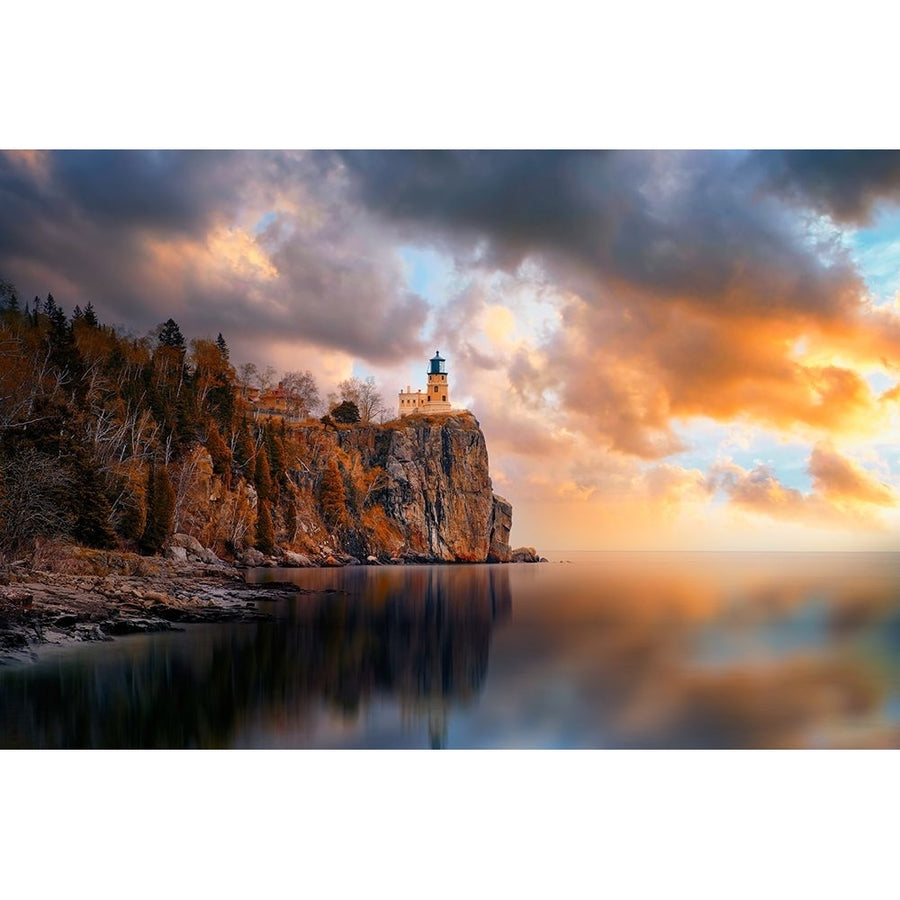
(444, 398)
(435, 388)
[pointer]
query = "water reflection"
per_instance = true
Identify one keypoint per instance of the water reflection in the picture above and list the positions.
(646, 650)
(421, 636)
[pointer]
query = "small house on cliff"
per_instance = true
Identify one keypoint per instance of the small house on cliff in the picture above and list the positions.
(436, 396)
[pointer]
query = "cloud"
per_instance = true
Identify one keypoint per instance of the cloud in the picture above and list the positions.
(260, 246)
(594, 306)
(847, 185)
(843, 492)
(683, 287)
(840, 479)
(688, 226)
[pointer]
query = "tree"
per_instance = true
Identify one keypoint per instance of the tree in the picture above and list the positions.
(263, 476)
(219, 453)
(169, 335)
(223, 347)
(332, 497)
(213, 381)
(89, 504)
(301, 392)
(32, 488)
(90, 317)
(347, 413)
(365, 395)
(247, 374)
(160, 509)
(274, 446)
(265, 531)
(290, 521)
(9, 298)
(242, 448)
(266, 378)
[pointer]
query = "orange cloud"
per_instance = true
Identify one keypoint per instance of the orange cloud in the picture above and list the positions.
(843, 492)
(840, 479)
(630, 372)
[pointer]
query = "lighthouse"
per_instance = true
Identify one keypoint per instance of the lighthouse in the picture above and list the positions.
(436, 396)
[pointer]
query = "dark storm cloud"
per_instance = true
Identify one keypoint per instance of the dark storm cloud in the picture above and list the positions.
(845, 184)
(175, 191)
(172, 190)
(691, 226)
(148, 234)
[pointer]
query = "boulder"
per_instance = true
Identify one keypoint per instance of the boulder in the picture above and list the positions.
(524, 554)
(176, 554)
(289, 558)
(194, 548)
(252, 557)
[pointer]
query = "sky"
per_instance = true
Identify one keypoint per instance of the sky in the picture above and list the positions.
(665, 349)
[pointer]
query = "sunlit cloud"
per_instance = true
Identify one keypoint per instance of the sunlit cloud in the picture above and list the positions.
(633, 330)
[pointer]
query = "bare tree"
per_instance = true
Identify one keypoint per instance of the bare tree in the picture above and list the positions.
(301, 392)
(364, 393)
(31, 485)
(247, 374)
(266, 379)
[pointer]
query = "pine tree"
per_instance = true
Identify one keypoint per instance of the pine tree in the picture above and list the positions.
(290, 521)
(89, 504)
(219, 452)
(265, 532)
(262, 476)
(332, 497)
(346, 413)
(223, 347)
(170, 335)
(160, 509)
(275, 451)
(90, 317)
(9, 297)
(243, 449)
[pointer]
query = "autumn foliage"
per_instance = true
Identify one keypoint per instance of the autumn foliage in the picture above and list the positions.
(110, 440)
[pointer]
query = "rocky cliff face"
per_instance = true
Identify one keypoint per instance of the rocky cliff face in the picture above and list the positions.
(417, 489)
(436, 487)
(501, 523)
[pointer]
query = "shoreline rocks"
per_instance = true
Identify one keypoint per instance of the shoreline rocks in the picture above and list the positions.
(40, 609)
(97, 595)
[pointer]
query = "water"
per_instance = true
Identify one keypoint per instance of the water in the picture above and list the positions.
(609, 650)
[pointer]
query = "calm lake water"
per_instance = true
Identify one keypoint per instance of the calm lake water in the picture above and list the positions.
(617, 650)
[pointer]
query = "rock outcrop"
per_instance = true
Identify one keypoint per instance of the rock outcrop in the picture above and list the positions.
(501, 523)
(417, 489)
(526, 554)
(436, 488)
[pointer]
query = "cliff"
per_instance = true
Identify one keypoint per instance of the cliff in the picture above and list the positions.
(116, 443)
(435, 490)
(417, 489)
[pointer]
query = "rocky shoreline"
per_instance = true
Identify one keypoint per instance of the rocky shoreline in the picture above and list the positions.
(41, 609)
(70, 595)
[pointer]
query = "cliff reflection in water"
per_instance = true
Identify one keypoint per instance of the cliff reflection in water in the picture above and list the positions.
(418, 638)
(616, 651)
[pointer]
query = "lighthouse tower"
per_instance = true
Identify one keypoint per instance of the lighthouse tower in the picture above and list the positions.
(436, 397)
